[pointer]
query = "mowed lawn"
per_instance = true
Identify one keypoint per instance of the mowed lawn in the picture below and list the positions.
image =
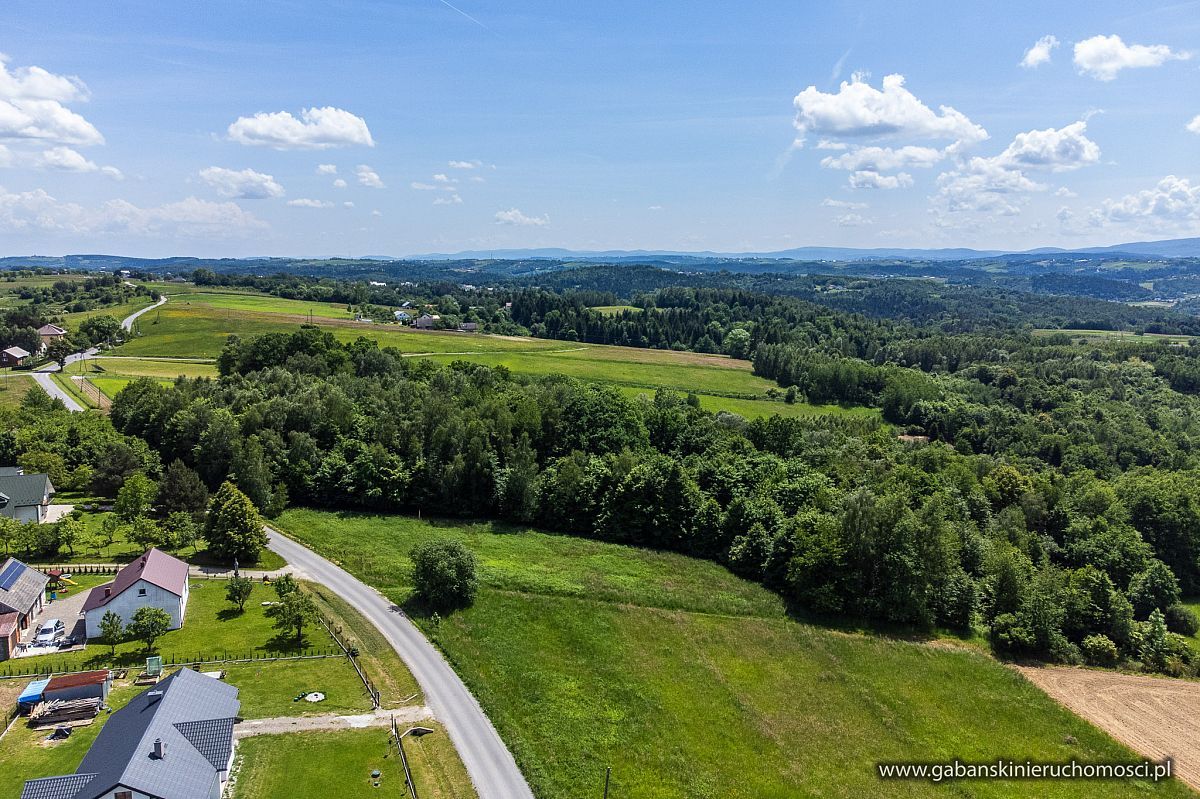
(690, 682)
(13, 388)
(314, 765)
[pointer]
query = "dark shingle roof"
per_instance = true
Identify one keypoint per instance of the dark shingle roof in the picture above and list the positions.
(122, 753)
(55, 787)
(212, 738)
(155, 567)
(23, 490)
(20, 586)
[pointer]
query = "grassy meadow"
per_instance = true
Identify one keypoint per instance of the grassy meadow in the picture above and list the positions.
(690, 682)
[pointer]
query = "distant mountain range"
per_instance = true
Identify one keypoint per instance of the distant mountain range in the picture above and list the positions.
(1167, 248)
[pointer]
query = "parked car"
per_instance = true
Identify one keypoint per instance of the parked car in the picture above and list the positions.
(49, 633)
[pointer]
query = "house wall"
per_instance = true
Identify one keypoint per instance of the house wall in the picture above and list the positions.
(9, 644)
(128, 602)
(29, 513)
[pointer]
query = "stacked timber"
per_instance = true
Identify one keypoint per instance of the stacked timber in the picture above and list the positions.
(64, 711)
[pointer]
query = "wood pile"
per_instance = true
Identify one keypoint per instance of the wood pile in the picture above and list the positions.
(63, 711)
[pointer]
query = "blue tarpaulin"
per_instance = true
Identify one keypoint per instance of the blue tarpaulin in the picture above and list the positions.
(33, 693)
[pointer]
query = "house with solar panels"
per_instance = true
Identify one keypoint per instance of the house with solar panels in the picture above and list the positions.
(22, 596)
(173, 740)
(155, 580)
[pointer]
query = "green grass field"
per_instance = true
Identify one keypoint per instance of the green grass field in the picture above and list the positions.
(13, 389)
(317, 765)
(613, 310)
(1100, 336)
(690, 682)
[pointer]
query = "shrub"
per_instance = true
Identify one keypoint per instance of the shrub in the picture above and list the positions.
(444, 573)
(1099, 650)
(1181, 619)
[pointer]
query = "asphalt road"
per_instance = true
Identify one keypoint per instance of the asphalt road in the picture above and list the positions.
(43, 378)
(489, 763)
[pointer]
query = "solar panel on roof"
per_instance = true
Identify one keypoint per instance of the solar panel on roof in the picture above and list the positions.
(10, 574)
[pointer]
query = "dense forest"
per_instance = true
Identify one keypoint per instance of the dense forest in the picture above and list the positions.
(1063, 533)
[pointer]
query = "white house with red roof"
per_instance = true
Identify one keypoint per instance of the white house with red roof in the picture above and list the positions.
(154, 580)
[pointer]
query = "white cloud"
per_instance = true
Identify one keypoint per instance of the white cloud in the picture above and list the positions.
(419, 186)
(339, 184)
(368, 177)
(316, 129)
(377, 212)
(1173, 203)
(441, 178)
(32, 106)
(348, 204)
(1194, 125)
(1058, 150)
(849, 206)
(859, 111)
(514, 216)
(38, 210)
(655, 208)
(1063, 191)
(853, 220)
(326, 169)
(1040, 52)
(245, 184)
(68, 160)
(1102, 57)
(884, 159)
(873, 180)
(453, 199)
(305, 202)
(464, 164)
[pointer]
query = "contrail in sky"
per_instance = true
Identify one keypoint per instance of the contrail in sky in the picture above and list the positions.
(465, 14)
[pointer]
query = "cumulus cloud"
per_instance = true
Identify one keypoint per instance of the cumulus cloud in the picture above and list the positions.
(859, 111)
(1194, 125)
(316, 129)
(326, 169)
(1040, 52)
(245, 184)
(514, 216)
(305, 202)
(339, 184)
(453, 199)
(849, 206)
(1173, 203)
(873, 180)
(1102, 57)
(33, 106)
(999, 185)
(884, 159)
(38, 210)
(348, 204)
(68, 160)
(368, 177)
(464, 164)
(1058, 150)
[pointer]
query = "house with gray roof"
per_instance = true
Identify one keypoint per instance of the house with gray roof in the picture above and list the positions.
(173, 740)
(25, 497)
(22, 596)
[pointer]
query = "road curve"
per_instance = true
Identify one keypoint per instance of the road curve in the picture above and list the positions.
(488, 761)
(42, 376)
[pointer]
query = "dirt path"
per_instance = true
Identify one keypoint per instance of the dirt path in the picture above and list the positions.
(1155, 716)
(404, 716)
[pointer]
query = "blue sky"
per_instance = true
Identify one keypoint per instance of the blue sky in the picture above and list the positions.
(392, 128)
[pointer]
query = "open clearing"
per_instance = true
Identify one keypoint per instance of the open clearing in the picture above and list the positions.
(691, 682)
(1157, 717)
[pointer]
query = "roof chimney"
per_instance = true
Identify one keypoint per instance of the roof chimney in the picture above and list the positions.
(153, 696)
(160, 749)
(108, 591)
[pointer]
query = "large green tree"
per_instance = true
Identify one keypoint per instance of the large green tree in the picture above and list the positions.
(233, 528)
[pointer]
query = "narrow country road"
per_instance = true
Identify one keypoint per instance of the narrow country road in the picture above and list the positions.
(43, 376)
(489, 763)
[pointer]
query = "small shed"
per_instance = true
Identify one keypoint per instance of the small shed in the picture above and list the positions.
(87, 685)
(32, 695)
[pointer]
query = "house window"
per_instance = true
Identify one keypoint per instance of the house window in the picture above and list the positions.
(123, 795)
(141, 592)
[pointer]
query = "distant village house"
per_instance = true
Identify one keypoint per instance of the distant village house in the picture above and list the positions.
(24, 497)
(155, 580)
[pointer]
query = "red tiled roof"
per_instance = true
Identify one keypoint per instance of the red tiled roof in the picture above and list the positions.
(8, 623)
(155, 567)
(76, 680)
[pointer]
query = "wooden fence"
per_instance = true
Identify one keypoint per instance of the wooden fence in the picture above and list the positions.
(350, 653)
(408, 780)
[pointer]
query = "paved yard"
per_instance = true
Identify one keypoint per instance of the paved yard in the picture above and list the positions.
(70, 610)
